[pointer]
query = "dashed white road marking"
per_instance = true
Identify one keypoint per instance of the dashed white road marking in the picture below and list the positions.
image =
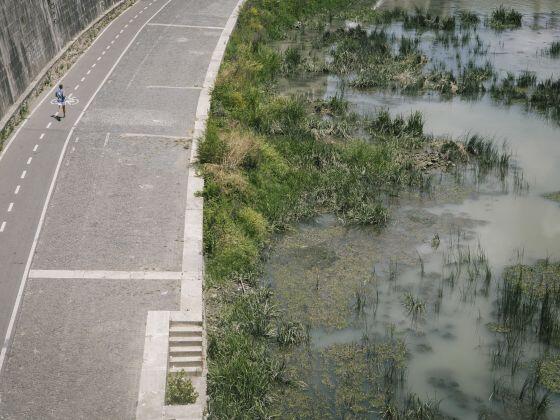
(23, 174)
(126, 26)
(145, 7)
(77, 86)
(3, 227)
(113, 41)
(106, 140)
(29, 160)
(93, 65)
(103, 52)
(108, 47)
(17, 189)
(130, 21)
(73, 149)
(135, 17)
(41, 136)
(88, 72)
(122, 30)
(10, 207)
(36, 147)
(76, 141)
(117, 36)
(98, 58)
(82, 79)
(49, 125)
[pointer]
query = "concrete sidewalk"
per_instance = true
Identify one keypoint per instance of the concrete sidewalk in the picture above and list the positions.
(118, 206)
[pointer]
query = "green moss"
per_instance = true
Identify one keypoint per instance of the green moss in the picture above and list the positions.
(555, 196)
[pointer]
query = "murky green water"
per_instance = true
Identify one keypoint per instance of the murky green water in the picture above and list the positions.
(356, 286)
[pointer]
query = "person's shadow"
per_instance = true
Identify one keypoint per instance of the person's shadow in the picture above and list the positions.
(56, 117)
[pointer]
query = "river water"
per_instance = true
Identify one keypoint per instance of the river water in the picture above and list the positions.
(322, 269)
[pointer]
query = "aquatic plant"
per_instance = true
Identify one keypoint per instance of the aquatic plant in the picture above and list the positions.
(289, 333)
(554, 49)
(468, 18)
(414, 305)
(502, 18)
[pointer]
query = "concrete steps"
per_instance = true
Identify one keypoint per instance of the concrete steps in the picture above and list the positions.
(185, 347)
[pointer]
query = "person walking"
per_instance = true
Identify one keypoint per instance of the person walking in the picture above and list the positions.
(61, 100)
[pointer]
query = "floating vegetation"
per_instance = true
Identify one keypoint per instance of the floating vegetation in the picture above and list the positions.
(414, 305)
(554, 196)
(503, 18)
(549, 373)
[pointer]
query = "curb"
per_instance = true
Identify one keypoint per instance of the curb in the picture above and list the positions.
(151, 395)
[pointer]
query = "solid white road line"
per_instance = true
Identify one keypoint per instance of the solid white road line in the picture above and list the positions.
(3, 227)
(19, 296)
(16, 191)
(10, 207)
(102, 274)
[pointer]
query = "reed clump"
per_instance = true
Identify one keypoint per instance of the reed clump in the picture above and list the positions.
(502, 18)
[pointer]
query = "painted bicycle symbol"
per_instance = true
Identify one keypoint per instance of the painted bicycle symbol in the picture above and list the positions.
(70, 100)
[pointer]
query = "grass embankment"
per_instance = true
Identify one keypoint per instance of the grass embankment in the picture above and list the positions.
(269, 160)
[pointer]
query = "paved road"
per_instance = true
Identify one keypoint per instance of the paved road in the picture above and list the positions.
(92, 204)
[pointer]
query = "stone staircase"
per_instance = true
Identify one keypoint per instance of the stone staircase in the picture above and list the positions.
(185, 347)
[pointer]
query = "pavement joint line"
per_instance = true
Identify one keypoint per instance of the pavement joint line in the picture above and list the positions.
(153, 135)
(17, 303)
(174, 87)
(217, 28)
(105, 275)
(10, 207)
(3, 227)
(17, 189)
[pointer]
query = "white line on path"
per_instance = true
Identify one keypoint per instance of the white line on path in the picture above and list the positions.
(102, 52)
(88, 72)
(41, 136)
(122, 30)
(140, 12)
(36, 147)
(82, 79)
(10, 207)
(117, 36)
(2, 227)
(135, 16)
(108, 47)
(77, 86)
(106, 140)
(93, 65)
(76, 141)
(19, 296)
(98, 58)
(100, 274)
(49, 125)
(17, 189)
(29, 160)
(217, 28)
(159, 136)
(23, 174)
(174, 87)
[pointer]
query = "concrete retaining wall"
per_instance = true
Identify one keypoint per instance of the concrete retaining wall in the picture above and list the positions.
(32, 32)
